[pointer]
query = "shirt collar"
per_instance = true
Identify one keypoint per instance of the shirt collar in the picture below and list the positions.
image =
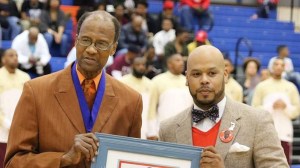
(7, 72)
(82, 78)
(221, 106)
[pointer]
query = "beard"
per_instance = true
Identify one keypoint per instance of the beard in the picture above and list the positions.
(137, 74)
(13, 65)
(207, 103)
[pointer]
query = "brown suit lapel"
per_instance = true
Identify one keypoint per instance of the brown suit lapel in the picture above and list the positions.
(230, 115)
(184, 129)
(109, 102)
(67, 98)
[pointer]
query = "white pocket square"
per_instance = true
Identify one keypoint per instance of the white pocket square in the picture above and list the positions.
(236, 147)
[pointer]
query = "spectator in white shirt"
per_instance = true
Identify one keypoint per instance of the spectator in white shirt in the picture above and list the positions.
(33, 52)
(289, 73)
(164, 36)
(283, 53)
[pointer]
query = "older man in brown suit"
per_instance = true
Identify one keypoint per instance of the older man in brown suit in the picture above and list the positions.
(232, 134)
(57, 115)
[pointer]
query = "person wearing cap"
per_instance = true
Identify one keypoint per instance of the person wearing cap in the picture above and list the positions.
(122, 63)
(168, 9)
(201, 38)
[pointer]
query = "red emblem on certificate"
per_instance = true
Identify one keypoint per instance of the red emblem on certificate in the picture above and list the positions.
(227, 135)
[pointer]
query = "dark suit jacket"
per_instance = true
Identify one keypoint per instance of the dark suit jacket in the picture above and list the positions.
(48, 117)
(129, 37)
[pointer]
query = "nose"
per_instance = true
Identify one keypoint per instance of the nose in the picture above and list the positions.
(91, 49)
(204, 80)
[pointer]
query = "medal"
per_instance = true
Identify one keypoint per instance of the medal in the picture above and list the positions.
(227, 135)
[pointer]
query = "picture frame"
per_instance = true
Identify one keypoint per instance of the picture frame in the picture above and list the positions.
(127, 152)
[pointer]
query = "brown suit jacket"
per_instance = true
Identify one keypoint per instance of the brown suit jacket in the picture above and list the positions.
(48, 117)
(253, 128)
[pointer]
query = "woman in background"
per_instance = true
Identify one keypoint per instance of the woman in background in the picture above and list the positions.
(52, 26)
(251, 67)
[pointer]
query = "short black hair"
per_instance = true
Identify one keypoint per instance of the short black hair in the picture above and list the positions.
(228, 59)
(137, 58)
(119, 4)
(251, 59)
(1, 55)
(82, 10)
(169, 19)
(113, 19)
(142, 2)
(226, 56)
(81, 20)
(171, 56)
(180, 31)
(99, 4)
(134, 48)
(280, 48)
(150, 45)
(47, 6)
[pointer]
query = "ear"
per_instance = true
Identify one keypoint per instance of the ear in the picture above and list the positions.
(2, 61)
(76, 39)
(113, 49)
(187, 80)
(226, 75)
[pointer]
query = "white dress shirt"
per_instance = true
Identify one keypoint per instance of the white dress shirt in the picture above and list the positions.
(206, 124)
(21, 45)
(161, 38)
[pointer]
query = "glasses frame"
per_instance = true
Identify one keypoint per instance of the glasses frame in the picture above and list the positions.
(93, 43)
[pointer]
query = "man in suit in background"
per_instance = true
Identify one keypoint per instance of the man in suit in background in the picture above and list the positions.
(232, 134)
(57, 115)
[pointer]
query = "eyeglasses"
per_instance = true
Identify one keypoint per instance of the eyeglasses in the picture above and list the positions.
(99, 45)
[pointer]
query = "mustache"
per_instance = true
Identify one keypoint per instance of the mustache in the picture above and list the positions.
(204, 89)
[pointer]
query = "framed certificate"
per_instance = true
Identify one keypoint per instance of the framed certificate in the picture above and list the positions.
(126, 152)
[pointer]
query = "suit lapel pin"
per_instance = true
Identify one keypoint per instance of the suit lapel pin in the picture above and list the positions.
(227, 135)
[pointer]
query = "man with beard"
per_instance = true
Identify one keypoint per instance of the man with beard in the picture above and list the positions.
(170, 94)
(231, 134)
(11, 86)
(137, 81)
(122, 63)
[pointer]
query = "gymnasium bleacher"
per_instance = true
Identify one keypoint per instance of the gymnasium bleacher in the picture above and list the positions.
(230, 23)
